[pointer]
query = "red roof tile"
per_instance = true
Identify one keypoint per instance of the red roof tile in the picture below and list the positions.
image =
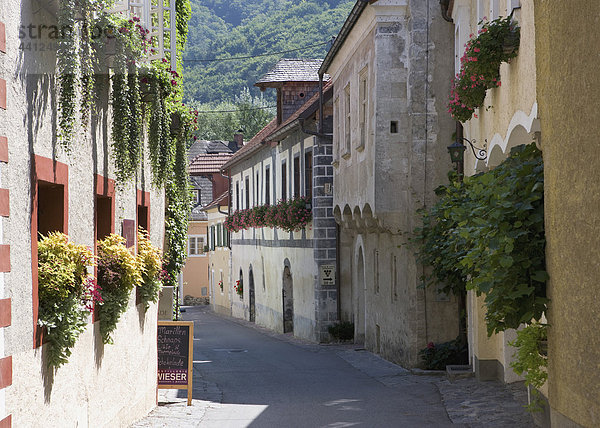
(251, 146)
(208, 163)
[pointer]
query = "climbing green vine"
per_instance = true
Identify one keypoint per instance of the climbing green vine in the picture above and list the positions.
(531, 361)
(488, 234)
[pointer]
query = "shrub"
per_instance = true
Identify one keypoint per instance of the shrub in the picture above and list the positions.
(149, 262)
(118, 274)
(342, 330)
(66, 294)
(437, 357)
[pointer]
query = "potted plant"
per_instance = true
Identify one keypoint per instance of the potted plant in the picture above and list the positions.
(239, 288)
(149, 261)
(67, 294)
(496, 42)
(118, 274)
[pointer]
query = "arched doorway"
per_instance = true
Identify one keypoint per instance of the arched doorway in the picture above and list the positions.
(288, 301)
(360, 293)
(251, 295)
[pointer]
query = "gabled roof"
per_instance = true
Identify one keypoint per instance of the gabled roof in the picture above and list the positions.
(214, 146)
(251, 146)
(291, 70)
(355, 14)
(220, 201)
(208, 163)
(308, 108)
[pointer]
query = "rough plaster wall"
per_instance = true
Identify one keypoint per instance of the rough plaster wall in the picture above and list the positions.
(96, 378)
(266, 250)
(354, 179)
(565, 31)
(411, 78)
(195, 272)
(219, 261)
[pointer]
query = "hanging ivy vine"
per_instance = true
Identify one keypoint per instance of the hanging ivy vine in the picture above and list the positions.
(68, 69)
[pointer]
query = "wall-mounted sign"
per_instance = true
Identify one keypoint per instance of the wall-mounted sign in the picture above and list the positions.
(165, 304)
(327, 274)
(175, 343)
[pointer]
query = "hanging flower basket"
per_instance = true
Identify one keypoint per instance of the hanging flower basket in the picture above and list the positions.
(496, 42)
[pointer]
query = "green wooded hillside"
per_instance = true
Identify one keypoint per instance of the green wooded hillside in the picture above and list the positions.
(231, 28)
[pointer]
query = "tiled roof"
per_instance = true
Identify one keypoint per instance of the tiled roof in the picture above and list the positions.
(314, 100)
(206, 146)
(221, 200)
(208, 163)
(251, 146)
(292, 70)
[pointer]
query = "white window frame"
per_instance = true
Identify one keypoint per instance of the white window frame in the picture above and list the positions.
(347, 122)
(512, 5)
(494, 9)
(200, 250)
(363, 108)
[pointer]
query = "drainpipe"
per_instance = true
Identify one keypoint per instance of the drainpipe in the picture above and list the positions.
(320, 105)
(444, 4)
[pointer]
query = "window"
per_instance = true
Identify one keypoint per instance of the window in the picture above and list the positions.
(376, 271)
(219, 235)
(143, 209)
(283, 181)
(308, 174)
(247, 193)
(257, 201)
(347, 121)
(363, 109)
(511, 5)
(296, 176)
(237, 195)
(195, 245)
(50, 213)
(494, 9)
(212, 238)
(338, 127)
(225, 237)
(394, 278)
(267, 185)
(481, 12)
(197, 196)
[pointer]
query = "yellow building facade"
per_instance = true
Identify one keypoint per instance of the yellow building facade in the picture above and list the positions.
(219, 258)
(508, 118)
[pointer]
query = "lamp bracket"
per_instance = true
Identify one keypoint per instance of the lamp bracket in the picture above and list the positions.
(479, 153)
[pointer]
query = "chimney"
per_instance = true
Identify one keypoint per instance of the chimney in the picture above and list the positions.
(239, 139)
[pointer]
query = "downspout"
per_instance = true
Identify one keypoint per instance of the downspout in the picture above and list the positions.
(320, 105)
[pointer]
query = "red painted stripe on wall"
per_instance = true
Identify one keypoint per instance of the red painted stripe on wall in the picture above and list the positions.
(3, 94)
(4, 258)
(4, 203)
(5, 314)
(3, 149)
(6, 422)
(5, 372)
(2, 37)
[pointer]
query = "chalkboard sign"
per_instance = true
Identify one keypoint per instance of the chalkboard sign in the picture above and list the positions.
(175, 355)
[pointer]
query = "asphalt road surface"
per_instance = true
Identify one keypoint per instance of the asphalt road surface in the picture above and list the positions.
(253, 378)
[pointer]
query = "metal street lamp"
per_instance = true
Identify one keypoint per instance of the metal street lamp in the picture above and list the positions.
(457, 153)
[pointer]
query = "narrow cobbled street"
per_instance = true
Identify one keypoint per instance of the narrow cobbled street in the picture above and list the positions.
(245, 376)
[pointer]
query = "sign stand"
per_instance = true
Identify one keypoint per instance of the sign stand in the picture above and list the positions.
(176, 356)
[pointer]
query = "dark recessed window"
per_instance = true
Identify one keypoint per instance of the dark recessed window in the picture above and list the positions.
(393, 127)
